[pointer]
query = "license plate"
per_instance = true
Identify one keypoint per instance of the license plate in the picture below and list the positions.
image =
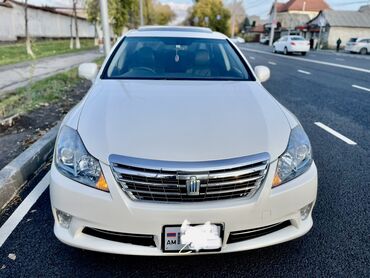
(171, 239)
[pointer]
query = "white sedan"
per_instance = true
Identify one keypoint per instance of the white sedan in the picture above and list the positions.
(178, 148)
(237, 40)
(291, 44)
(358, 45)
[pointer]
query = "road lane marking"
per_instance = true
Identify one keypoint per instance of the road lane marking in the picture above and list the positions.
(339, 59)
(252, 57)
(17, 216)
(361, 88)
(303, 71)
(272, 63)
(309, 60)
(335, 133)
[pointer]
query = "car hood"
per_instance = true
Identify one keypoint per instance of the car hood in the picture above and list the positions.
(182, 120)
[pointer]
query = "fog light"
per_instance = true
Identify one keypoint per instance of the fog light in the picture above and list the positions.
(64, 218)
(305, 211)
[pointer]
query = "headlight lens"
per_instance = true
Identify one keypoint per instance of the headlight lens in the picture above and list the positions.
(73, 160)
(296, 159)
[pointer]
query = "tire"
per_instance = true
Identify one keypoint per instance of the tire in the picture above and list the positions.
(304, 53)
(363, 51)
(286, 52)
(273, 49)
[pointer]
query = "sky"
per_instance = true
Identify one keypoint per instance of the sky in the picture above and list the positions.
(252, 7)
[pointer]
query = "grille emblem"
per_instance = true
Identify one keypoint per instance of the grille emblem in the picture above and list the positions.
(192, 186)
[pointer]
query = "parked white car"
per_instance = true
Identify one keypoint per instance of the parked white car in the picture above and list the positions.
(177, 130)
(358, 45)
(291, 44)
(264, 39)
(237, 40)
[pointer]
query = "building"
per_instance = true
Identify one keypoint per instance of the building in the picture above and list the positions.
(295, 13)
(340, 24)
(43, 22)
(255, 20)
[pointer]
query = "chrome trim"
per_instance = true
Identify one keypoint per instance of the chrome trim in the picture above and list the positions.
(212, 184)
(184, 173)
(255, 230)
(197, 166)
(154, 192)
(165, 181)
(152, 183)
(200, 194)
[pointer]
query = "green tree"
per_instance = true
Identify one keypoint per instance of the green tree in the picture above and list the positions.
(163, 13)
(237, 11)
(245, 24)
(119, 13)
(210, 13)
(125, 13)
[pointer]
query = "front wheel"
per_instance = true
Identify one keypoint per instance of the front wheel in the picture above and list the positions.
(363, 51)
(304, 53)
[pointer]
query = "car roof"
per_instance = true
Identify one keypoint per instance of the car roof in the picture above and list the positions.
(175, 31)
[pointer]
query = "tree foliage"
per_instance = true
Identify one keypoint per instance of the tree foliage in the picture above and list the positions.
(125, 13)
(210, 13)
(118, 11)
(245, 24)
(237, 12)
(163, 13)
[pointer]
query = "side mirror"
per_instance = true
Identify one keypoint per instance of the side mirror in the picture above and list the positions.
(262, 73)
(88, 71)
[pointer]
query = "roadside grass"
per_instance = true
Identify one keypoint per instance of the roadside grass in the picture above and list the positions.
(40, 93)
(15, 53)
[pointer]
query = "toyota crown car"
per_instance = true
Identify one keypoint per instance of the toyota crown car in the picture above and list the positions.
(291, 44)
(178, 149)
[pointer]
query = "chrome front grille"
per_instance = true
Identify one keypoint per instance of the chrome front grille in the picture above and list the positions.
(165, 181)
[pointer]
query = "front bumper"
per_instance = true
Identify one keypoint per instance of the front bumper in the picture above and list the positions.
(115, 212)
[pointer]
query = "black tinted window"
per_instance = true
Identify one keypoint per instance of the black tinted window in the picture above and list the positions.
(297, 38)
(176, 58)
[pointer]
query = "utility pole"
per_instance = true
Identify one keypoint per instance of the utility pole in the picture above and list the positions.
(71, 29)
(233, 10)
(141, 13)
(105, 23)
(78, 46)
(27, 34)
(273, 23)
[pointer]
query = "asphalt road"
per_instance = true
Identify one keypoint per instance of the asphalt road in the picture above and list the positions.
(338, 245)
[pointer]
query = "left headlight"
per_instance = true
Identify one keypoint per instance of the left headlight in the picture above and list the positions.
(297, 158)
(73, 160)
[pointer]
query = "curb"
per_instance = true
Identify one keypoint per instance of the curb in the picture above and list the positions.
(15, 175)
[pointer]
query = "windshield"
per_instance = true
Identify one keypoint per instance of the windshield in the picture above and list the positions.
(297, 38)
(176, 58)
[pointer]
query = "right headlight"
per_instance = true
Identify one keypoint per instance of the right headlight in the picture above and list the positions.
(297, 158)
